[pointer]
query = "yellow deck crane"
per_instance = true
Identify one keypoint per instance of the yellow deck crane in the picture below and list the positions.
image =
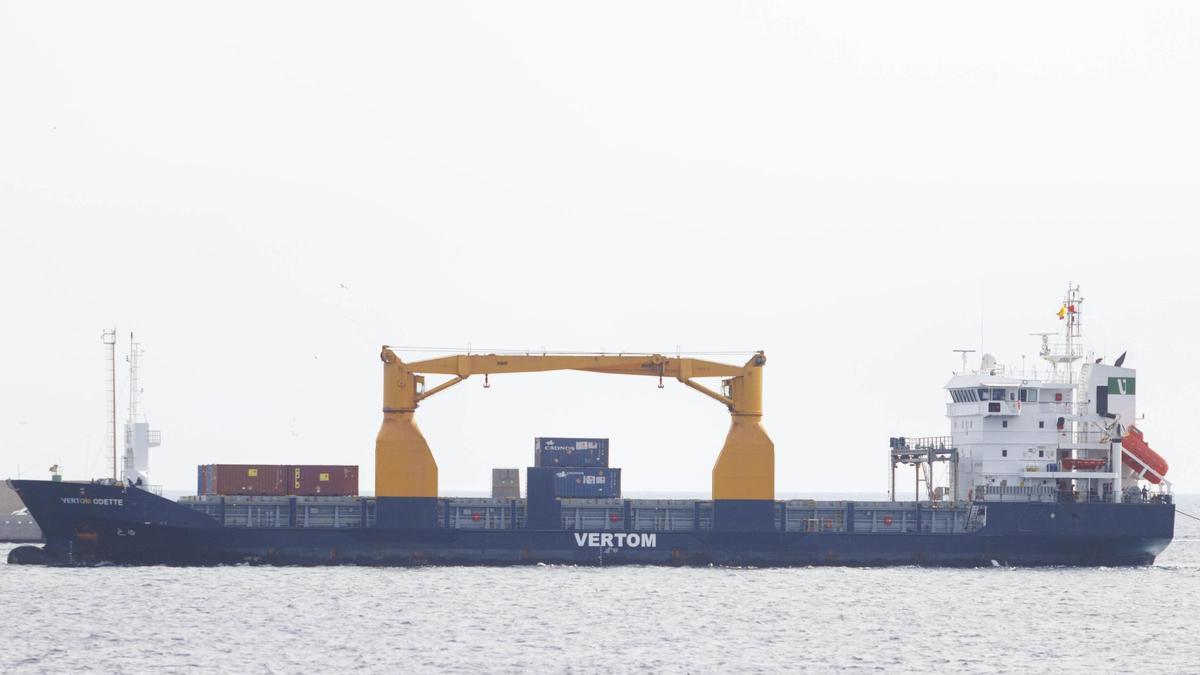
(744, 472)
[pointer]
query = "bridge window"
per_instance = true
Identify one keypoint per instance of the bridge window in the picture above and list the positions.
(997, 394)
(1028, 396)
(983, 394)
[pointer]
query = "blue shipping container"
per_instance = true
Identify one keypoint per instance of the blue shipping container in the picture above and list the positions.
(551, 483)
(594, 459)
(587, 483)
(570, 452)
(551, 443)
(205, 479)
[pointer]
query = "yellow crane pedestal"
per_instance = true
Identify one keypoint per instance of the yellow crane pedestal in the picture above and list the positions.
(404, 464)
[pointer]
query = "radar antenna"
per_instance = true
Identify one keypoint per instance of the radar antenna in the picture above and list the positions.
(1045, 350)
(964, 353)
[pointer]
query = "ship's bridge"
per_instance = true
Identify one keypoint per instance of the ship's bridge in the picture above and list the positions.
(992, 396)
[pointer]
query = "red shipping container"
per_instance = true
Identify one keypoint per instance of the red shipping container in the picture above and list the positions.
(323, 480)
(267, 480)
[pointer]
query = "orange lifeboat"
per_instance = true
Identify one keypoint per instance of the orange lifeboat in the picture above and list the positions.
(1136, 445)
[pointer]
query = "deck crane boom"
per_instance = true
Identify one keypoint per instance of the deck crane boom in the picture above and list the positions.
(744, 473)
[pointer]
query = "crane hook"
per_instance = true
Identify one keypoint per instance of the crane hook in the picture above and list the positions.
(661, 369)
(486, 384)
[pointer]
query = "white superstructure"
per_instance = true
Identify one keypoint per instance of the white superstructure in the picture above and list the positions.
(1053, 434)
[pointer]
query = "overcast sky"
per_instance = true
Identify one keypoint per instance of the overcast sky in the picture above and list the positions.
(267, 192)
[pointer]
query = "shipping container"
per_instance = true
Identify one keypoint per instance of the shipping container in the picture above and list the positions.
(204, 478)
(558, 442)
(572, 452)
(583, 482)
(277, 479)
(506, 483)
(243, 479)
(327, 480)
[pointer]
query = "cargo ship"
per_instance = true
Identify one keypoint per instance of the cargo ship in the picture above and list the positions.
(1046, 467)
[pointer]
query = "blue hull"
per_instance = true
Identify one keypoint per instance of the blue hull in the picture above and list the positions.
(88, 524)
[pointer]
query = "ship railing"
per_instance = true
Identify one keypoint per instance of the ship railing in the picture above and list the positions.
(1013, 493)
(879, 517)
(336, 512)
(465, 513)
(915, 450)
(284, 511)
(1092, 437)
(1062, 408)
(586, 514)
(796, 515)
(659, 515)
(1135, 496)
(1046, 375)
(578, 514)
(921, 443)
(808, 516)
(1052, 495)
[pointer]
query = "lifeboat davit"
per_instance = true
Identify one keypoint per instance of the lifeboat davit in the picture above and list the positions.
(1135, 444)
